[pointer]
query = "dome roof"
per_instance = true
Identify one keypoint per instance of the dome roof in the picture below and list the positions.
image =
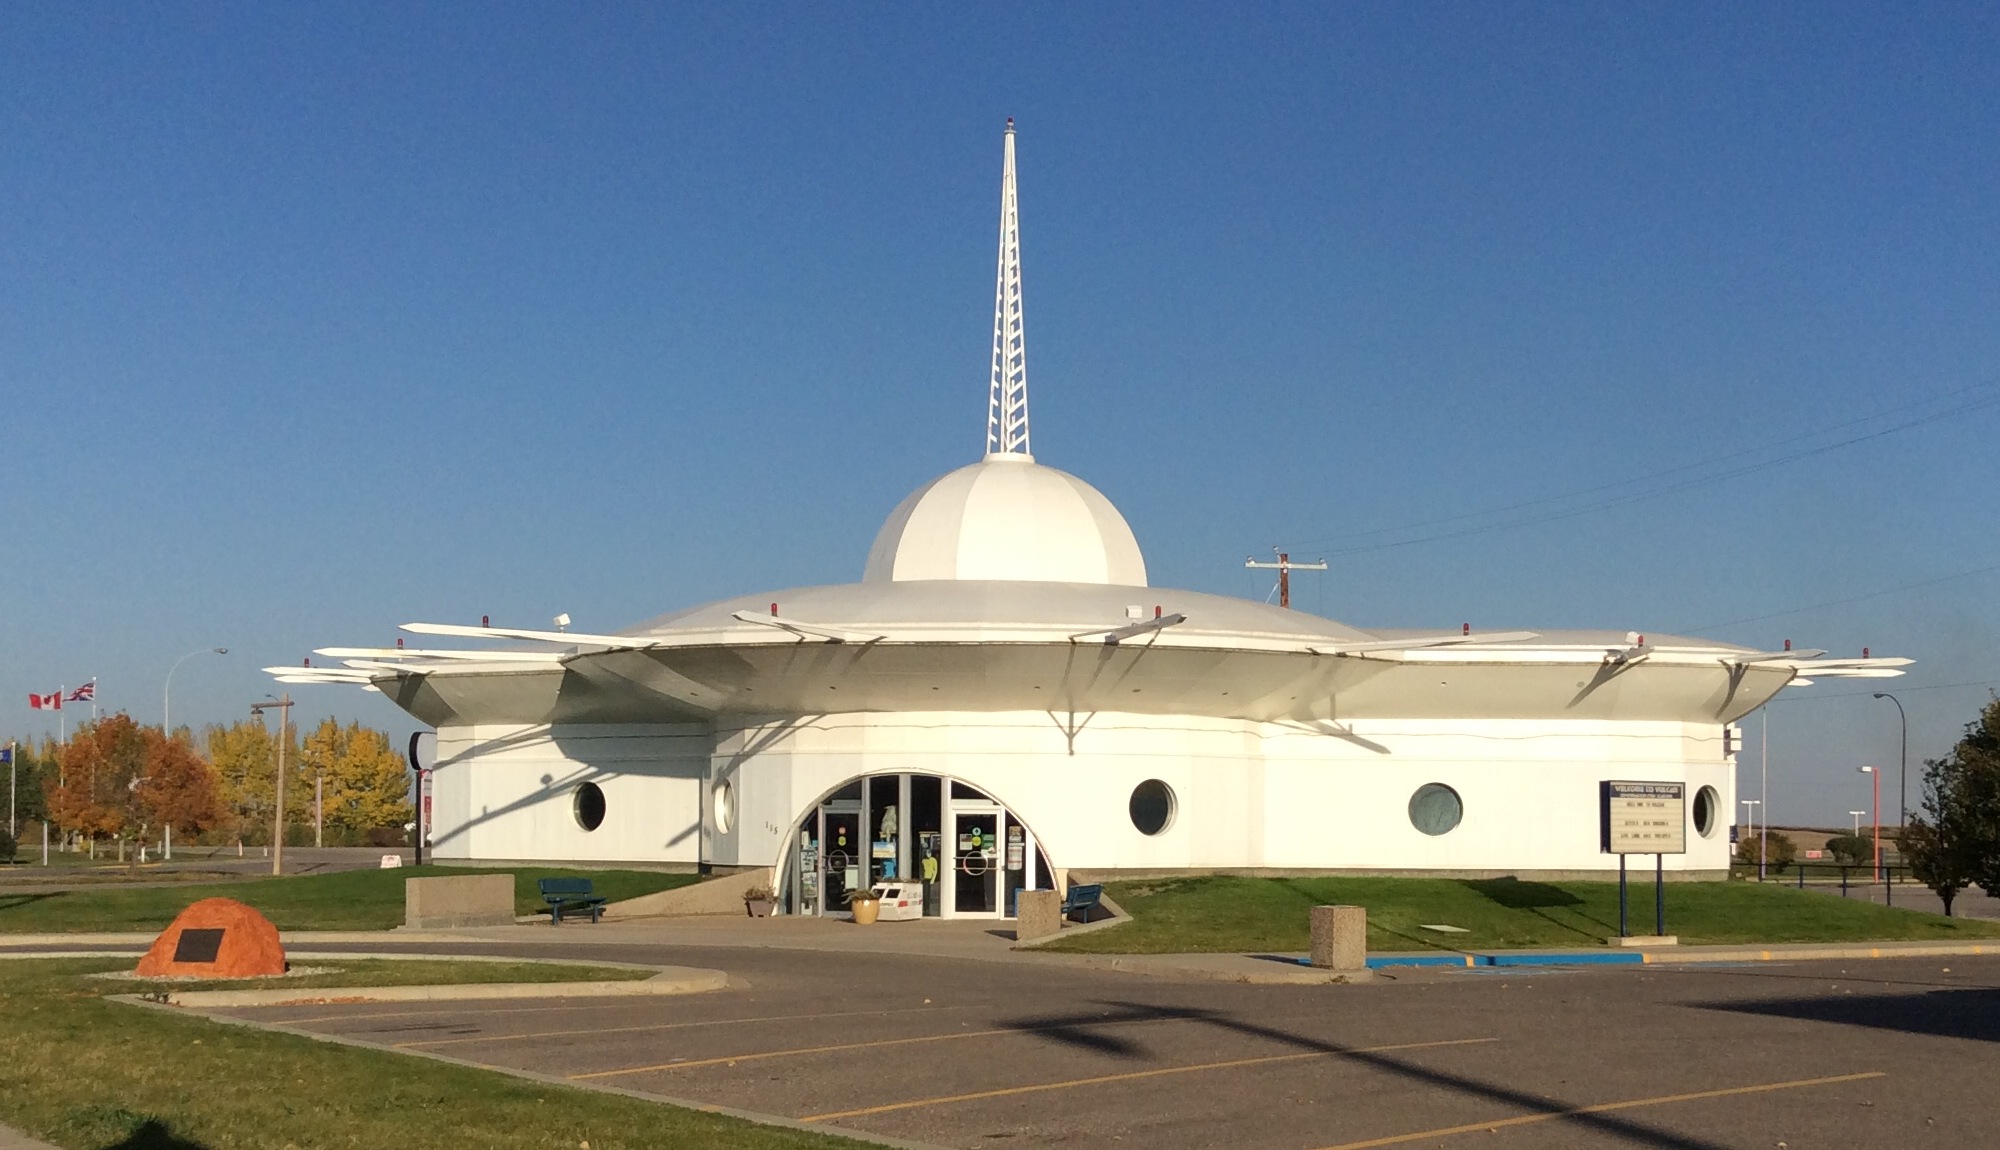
(1007, 518)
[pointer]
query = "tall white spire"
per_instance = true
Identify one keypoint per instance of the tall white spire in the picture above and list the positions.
(1007, 402)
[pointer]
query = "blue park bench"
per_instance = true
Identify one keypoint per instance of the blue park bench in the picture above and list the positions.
(570, 895)
(1082, 897)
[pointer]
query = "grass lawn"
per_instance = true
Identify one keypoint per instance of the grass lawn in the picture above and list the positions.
(348, 900)
(89, 1074)
(1264, 914)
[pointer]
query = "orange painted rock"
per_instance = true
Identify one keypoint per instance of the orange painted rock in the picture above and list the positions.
(216, 938)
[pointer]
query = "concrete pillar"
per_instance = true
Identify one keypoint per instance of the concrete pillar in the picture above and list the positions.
(1039, 914)
(1340, 937)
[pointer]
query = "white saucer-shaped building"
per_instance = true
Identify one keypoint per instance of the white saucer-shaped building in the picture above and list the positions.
(1003, 699)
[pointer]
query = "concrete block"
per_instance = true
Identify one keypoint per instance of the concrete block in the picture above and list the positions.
(1039, 914)
(1340, 937)
(459, 900)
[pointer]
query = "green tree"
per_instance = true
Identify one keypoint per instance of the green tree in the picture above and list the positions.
(1954, 840)
(1854, 850)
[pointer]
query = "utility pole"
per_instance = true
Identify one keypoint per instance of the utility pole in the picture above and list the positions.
(13, 769)
(283, 705)
(1284, 567)
(319, 806)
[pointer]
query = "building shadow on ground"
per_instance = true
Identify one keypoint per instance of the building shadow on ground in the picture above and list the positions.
(154, 1135)
(1540, 899)
(1127, 1023)
(1972, 1013)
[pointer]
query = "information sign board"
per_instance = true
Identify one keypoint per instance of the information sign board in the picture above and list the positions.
(1644, 818)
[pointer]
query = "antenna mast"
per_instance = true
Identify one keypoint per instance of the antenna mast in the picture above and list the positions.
(1007, 401)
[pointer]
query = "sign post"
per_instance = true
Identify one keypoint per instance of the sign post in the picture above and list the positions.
(1644, 818)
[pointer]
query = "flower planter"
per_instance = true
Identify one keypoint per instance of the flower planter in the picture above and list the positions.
(865, 910)
(759, 907)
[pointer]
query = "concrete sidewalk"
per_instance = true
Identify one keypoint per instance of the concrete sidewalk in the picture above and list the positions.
(12, 1139)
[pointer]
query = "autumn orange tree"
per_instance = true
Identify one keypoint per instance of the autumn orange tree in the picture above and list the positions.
(93, 794)
(178, 787)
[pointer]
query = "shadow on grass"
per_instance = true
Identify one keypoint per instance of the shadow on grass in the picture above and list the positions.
(1539, 899)
(154, 1135)
(16, 901)
(1973, 1014)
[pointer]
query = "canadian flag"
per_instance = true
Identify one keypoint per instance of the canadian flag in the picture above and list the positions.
(46, 702)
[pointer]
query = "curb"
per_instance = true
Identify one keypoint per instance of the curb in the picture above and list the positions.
(671, 980)
(1675, 956)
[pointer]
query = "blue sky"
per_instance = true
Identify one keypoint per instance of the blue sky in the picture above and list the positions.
(319, 319)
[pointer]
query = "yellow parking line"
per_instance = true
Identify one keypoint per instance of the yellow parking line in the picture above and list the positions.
(798, 1050)
(1131, 1075)
(1601, 1108)
(675, 1025)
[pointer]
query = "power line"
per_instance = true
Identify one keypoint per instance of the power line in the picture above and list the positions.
(1899, 690)
(1654, 493)
(1841, 602)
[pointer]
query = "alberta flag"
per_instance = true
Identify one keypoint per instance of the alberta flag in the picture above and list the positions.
(46, 702)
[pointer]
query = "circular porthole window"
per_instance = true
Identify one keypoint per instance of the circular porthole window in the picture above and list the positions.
(725, 807)
(1152, 807)
(1435, 809)
(1705, 803)
(589, 806)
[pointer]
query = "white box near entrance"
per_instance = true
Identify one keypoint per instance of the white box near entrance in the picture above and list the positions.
(901, 901)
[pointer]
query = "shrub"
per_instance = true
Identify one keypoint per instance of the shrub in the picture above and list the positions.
(1783, 850)
(1854, 850)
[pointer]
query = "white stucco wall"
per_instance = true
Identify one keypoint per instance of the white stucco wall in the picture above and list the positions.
(509, 793)
(1248, 795)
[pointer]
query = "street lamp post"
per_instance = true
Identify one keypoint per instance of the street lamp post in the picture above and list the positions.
(1876, 775)
(1903, 776)
(167, 693)
(1857, 822)
(1753, 804)
(283, 705)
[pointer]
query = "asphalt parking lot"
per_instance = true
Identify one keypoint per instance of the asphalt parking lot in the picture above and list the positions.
(1901, 1052)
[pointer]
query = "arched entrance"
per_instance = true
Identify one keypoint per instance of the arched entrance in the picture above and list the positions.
(966, 853)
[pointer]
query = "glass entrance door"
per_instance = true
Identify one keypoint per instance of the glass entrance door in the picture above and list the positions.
(976, 862)
(843, 855)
